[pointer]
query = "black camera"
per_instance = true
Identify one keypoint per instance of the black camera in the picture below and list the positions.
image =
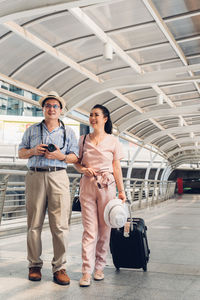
(50, 147)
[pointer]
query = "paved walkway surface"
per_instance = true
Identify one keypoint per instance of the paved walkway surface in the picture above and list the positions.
(173, 271)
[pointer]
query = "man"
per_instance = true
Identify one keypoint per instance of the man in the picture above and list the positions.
(49, 147)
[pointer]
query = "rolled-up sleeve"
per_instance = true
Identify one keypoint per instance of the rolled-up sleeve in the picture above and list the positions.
(118, 152)
(72, 146)
(25, 143)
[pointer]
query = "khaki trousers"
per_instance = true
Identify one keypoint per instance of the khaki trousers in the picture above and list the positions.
(47, 190)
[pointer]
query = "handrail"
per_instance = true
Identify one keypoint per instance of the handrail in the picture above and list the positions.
(141, 192)
(9, 151)
(148, 192)
(12, 200)
(3, 187)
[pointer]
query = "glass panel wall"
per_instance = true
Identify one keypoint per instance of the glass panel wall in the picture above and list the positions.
(12, 106)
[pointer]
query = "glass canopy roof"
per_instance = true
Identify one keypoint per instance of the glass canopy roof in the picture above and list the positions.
(140, 58)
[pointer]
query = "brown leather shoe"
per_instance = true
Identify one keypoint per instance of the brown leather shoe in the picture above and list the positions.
(35, 274)
(61, 277)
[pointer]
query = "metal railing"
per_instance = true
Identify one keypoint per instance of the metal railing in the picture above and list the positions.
(12, 197)
(3, 188)
(144, 193)
(141, 192)
(9, 152)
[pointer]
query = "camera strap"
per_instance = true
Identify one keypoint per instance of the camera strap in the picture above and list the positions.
(64, 139)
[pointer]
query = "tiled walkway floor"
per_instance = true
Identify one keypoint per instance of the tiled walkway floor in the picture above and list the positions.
(173, 271)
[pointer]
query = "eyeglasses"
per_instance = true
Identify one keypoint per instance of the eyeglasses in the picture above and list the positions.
(55, 106)
(99, 185)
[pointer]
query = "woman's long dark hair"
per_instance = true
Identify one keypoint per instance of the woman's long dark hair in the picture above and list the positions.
(108, 125)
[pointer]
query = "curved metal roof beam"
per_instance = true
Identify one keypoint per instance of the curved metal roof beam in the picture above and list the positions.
(26, 63)
(163, 27)
(144, 129)
(39, 92)
(44, 46)
(160, 113)
(120, 53)
(97, 57)
(184, 129)
(19, 30)
(165, 175)
(182, 16)
(12, 10)
(21, 85)
(171, 153)
(135, 140)
(90, 59)
(78, 13)
(53, 76)
(84, 19)
(183, 140)
(117, 110)
(163, 77)
(87, 21)
(38, 56)
(187, 159)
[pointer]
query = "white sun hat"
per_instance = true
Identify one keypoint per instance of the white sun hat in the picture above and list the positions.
(115, 213)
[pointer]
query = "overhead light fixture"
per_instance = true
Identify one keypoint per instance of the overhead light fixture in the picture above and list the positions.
(108, 51)
(180, 122)
(196, 144)
(192, 135)
(160, 99)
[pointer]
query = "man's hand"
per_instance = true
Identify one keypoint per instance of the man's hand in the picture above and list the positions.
(39, 149)
(57, 154)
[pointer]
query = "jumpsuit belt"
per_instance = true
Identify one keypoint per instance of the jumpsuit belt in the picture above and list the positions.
(104, 179)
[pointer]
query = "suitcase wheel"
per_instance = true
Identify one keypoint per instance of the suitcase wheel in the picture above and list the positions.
(145, 268)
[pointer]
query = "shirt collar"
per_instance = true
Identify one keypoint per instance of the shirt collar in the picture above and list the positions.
(60, 123)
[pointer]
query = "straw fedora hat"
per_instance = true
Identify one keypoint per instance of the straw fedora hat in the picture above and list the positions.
(115, 213)
(52, 95)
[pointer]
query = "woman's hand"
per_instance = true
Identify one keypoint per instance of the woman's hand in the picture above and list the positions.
(89, 172)
(122, 196)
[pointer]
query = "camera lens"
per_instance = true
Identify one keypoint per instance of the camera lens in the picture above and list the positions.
(51, 148)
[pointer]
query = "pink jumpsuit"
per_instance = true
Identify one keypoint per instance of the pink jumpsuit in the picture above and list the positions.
(96, 234)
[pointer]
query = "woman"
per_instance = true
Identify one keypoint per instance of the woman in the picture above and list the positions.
(100, 163)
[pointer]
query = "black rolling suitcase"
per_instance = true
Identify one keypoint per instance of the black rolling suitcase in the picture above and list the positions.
(129, 245)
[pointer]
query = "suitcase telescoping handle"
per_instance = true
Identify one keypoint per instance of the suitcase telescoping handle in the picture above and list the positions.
(128, 202)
